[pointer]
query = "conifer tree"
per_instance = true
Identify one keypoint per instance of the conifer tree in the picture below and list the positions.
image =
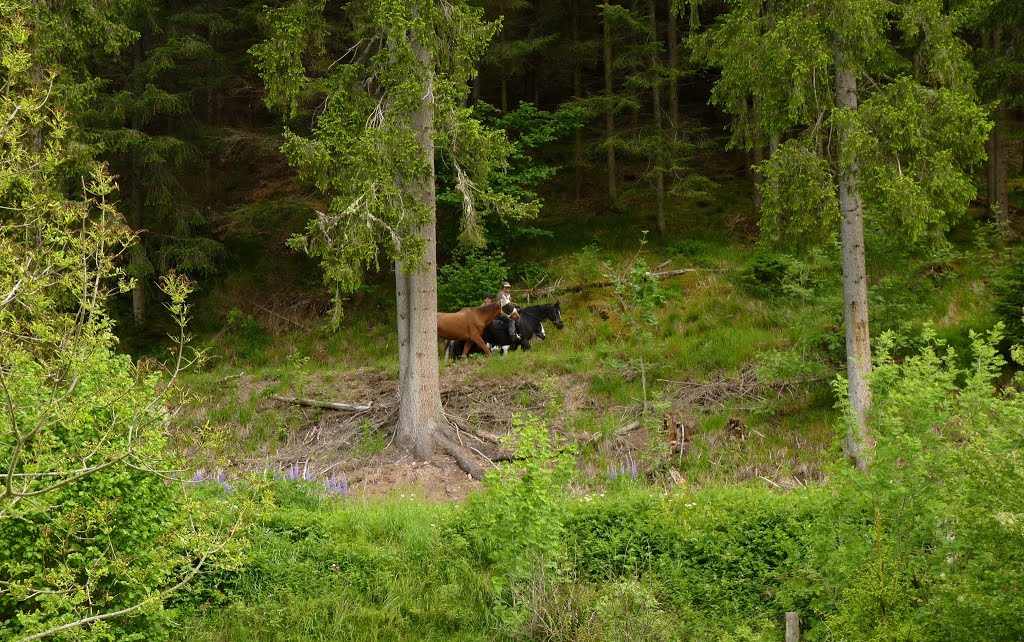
(150, 156)
(1000, 62)
(877, 98)
(383, 103)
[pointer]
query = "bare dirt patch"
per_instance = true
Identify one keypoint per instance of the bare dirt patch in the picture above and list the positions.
(360, 445)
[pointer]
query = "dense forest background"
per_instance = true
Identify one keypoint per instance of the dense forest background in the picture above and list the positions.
(672, 464)
(610, 108)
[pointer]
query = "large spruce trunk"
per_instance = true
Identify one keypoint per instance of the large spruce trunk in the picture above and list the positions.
(136, 204)
(420, 414)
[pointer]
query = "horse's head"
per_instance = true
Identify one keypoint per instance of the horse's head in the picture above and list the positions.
(556, 315)
(514, 313)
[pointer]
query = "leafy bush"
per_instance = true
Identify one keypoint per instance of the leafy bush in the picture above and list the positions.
(929, 545)
(464, 283)
(519, 518)
(249, 338)
(91, 527)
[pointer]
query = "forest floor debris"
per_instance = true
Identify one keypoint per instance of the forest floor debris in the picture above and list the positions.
(357, 442)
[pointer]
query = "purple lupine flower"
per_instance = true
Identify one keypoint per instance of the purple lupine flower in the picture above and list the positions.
(633, 470)
(198, 477)
(228, 488)
(221, 477)
(293, 472)
(344, 485)
(277, 475)
(305, 474)
(612, 473)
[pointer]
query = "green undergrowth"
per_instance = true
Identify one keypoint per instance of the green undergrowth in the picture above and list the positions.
(744, 308)
(626, 563)
(897, 554)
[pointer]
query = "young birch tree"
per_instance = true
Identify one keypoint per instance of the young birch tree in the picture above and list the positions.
(875, 97)
(381, 104)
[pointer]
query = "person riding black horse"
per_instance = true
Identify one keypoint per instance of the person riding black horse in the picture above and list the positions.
(507, 306)
(530, 324)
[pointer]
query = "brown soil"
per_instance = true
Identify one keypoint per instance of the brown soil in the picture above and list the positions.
(480, 409)
(333, 442)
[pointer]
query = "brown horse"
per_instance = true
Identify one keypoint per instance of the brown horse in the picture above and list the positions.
(468, 325)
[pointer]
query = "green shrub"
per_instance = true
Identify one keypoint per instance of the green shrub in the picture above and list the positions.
(249, 338)
(930, 544)
(464, 283)
(519, 519)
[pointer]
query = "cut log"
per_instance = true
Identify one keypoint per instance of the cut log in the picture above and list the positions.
(330, 405)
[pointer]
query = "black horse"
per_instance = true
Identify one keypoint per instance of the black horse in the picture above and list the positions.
(529, 325)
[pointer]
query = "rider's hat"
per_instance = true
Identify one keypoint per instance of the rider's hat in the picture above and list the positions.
(506, 284)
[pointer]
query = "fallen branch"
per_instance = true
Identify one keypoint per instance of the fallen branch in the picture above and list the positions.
(229, 378)
(282, 317)
(330, 405)
(606, 284)
(628, 428)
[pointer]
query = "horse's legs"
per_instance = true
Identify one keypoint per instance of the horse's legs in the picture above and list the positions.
(480, 344)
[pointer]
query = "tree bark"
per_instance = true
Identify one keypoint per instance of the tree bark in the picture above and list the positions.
(658, 160)
(998, 188)
(855, 292)
(503, 37)
(756, 157)
(609, 112)
(673, 65)
(420, 413)
(136, 205)
(577, 92)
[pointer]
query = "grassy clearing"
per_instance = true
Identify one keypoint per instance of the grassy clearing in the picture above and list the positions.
(743, 308)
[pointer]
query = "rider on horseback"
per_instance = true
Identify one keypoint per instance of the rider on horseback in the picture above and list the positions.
(505, 300)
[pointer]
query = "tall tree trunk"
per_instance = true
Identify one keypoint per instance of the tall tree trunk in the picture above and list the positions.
(420, 414)
(673, 66)
(998, 190)
(135, 216)
(855, 290)
(658, 160)
(503, 37)
(998, 187)
(577, 92)
(609, 119)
